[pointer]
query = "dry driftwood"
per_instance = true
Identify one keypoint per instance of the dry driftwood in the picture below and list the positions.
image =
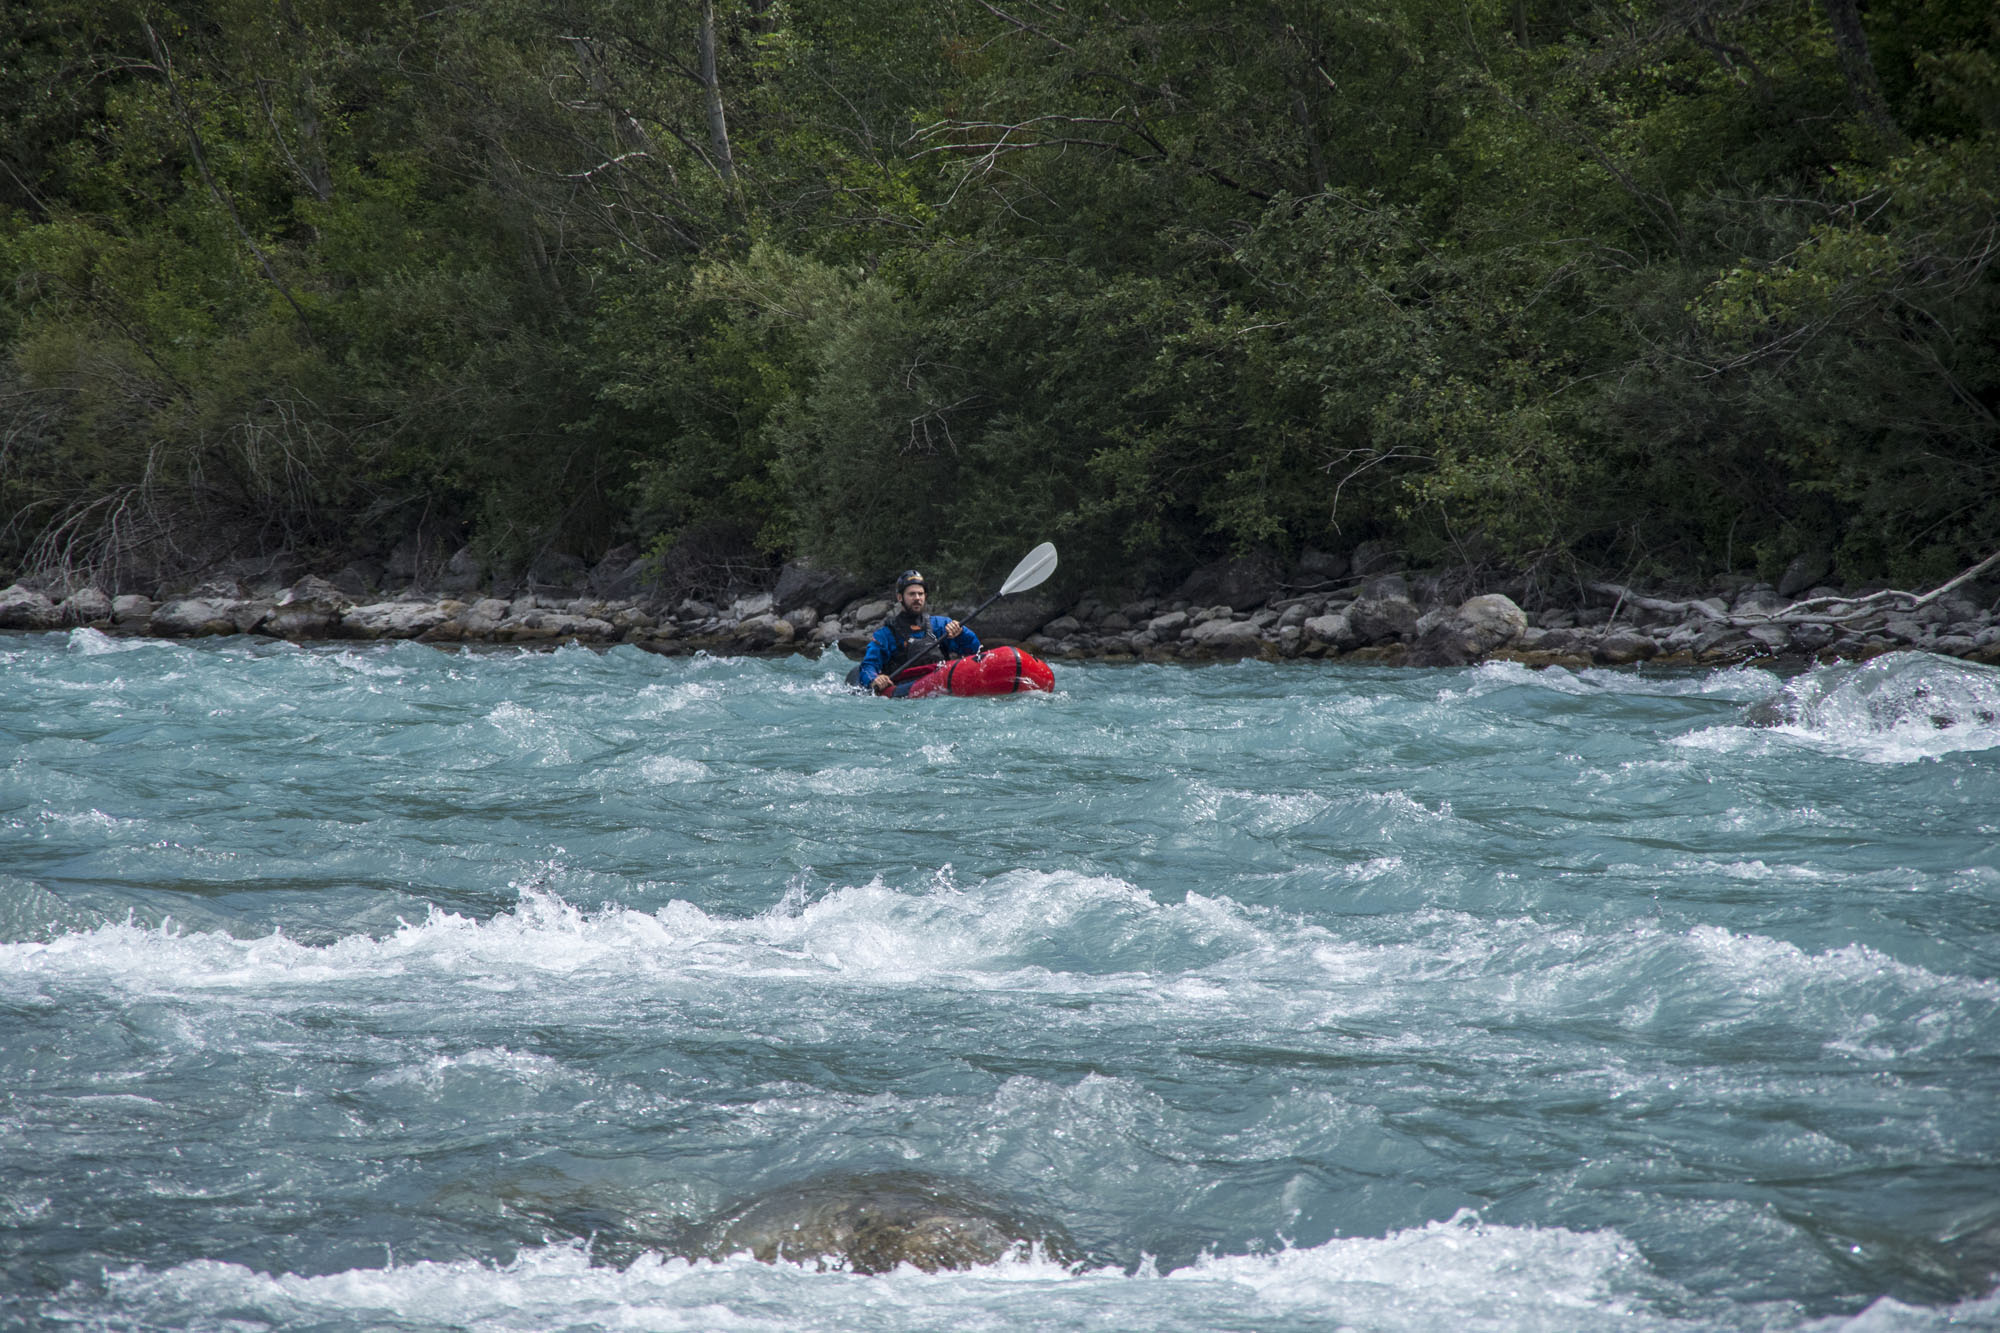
(1814, 610)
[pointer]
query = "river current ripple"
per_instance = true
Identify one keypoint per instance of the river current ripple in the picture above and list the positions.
(350, 987)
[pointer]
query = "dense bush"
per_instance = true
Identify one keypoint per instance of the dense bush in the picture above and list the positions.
(1667, 290)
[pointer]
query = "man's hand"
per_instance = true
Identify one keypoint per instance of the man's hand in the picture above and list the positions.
(951, 629)
(881, 684)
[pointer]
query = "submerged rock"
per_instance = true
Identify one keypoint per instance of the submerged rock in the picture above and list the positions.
(872, 1223)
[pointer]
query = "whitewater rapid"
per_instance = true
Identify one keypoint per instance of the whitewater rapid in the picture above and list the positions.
(355, 987)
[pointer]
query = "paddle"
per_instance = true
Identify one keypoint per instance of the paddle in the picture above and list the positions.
(1032, 572)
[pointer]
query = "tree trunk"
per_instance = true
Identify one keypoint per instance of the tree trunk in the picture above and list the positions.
(711, 89)
(1858, 67)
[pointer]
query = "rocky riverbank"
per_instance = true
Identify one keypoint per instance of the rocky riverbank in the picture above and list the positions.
(1231, 610)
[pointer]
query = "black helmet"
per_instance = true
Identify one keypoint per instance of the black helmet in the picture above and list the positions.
(909, 577)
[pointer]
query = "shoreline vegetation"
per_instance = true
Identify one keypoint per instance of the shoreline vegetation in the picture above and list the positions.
(1545, 295)
(1385, 616)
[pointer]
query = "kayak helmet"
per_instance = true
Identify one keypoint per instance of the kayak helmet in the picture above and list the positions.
(909, 577)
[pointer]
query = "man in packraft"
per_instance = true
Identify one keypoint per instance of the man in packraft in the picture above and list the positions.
(905, 634)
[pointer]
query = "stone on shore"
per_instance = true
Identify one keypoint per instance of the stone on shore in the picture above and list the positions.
(1337, 631)
(1478, 627)
(396, 620)
(801, 583)
(193, 617)
(309, 609)
(1242, 583)
(86, 606)
(27, 608)
(1227, 636)
(1377, 620)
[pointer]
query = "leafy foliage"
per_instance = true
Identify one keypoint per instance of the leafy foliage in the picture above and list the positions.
(1660, 288)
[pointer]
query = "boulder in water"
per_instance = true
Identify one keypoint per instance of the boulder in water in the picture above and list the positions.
(875, 1222)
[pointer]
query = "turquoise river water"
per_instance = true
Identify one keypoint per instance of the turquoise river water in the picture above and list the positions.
(360, 987)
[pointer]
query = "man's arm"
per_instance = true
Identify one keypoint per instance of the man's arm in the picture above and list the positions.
(959, 639)
(880, 644)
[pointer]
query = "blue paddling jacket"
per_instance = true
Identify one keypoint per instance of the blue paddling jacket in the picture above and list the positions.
(896, 634)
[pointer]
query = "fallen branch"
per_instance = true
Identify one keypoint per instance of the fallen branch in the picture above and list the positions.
(1813, 610)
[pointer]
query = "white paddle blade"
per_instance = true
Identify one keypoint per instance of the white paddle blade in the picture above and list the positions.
(1035, 567)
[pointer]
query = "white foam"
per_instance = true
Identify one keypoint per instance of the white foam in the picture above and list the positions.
(1896, 709)
(1445, 1276)
(88, 642)
(1735, 683)
(1203, 961)
(670, 768)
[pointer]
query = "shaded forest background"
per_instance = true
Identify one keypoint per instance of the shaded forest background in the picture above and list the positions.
(1663, 288)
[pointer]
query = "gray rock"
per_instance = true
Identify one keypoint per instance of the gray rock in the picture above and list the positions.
(85, 606)
(1319, 567)
(483, 618)
(1292, 616)
(409, 557)
(1377, 557)
(357, 579)
(1239, 636)
(803, 583)
(802, 619)
(309, 609)
(868, 613)
(396, 620)
(1812, 637)
(131, 610)
(315, 591)
(1242, 582)
(1804, 572)
(1759, 599)
(1774, 638)
(1014, 617)
(299, 621)
(461, 573)
(1387, 585)
(1955, 645)
(192, 617)
(1169, 625)
(557, 571)
(1721, 639)
(1622, 646)
(264, 575)
(765, 631)
(1382, 619)
(1060, 627)
(224, 588)
(1335, 630)
(1905, 629)
(1478, 627)
(617, 574)
(27, 608)
(540, 625)
(876, 1223)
